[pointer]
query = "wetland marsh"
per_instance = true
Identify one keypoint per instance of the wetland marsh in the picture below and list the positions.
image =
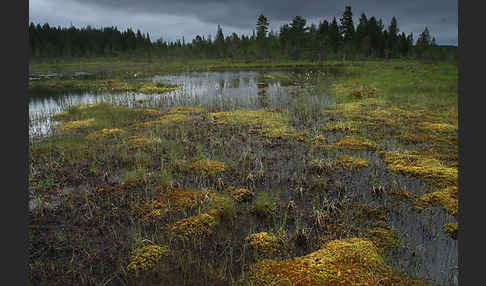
(339, 174)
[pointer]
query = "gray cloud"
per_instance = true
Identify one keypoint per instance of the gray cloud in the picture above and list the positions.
(174, 19)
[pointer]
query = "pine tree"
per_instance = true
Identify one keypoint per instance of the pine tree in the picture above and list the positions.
(392, 43)
(298, 36)
(219, 42)
(347, 26)
(335, 36)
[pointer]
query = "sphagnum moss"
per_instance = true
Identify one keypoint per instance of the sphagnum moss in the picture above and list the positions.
(146, 257)
(270, 124)
(173, 201)
(446, 198)
(78, 124)
(165, 120)
(352, 261)
(423, 166)
(451, 229)
(150, 88)
(264, 243)
(352, 163)
(241, 195)
(200, 225)
(135, 142)
(206, 167)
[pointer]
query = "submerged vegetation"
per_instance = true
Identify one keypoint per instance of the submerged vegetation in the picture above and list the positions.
(358, 191)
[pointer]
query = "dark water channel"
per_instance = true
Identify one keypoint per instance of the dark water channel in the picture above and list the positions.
(427, 252)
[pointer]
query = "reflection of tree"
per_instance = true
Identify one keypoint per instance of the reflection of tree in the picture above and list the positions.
(262, 85)
(235, 83)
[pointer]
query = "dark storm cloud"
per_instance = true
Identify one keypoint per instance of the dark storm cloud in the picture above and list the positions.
(440, 16)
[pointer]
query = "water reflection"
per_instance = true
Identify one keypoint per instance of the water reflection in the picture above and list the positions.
(215, 91)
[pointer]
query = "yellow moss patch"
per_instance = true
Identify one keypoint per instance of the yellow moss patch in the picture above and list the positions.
(139, 142)
(352, 163)
(438, 127)
(75, 125)
(148, 111)
(352, 143)
(146, 257)
(86, 106)
(242, 195)
(351, 109)
(96, 135)
(423, 166)
(112, 131)
(194, 226)
(451, 229)
(446, 198)
(202, 167)
(343, 126)
(166, 119)
(266, 123)
(172, 201)
(186, 110)
(63, 116)
(269, 76)
(264, 243)
(384, 238)
(352, 261)
(156, 89)
(270, 124)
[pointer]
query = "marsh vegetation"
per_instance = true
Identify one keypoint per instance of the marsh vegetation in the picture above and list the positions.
(338, 174)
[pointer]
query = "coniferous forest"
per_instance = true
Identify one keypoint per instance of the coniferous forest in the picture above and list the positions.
(331, 39)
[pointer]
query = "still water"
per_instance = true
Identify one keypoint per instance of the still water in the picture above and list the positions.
(212, 90)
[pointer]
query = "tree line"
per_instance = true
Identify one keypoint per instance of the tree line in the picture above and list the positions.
(334, 39)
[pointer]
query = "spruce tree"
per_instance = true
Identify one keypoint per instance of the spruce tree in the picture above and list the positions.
(262, 29)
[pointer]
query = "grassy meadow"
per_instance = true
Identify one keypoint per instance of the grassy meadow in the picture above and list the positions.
(305, 194)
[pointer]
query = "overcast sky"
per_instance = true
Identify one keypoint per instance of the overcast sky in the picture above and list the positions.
(172, 20)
